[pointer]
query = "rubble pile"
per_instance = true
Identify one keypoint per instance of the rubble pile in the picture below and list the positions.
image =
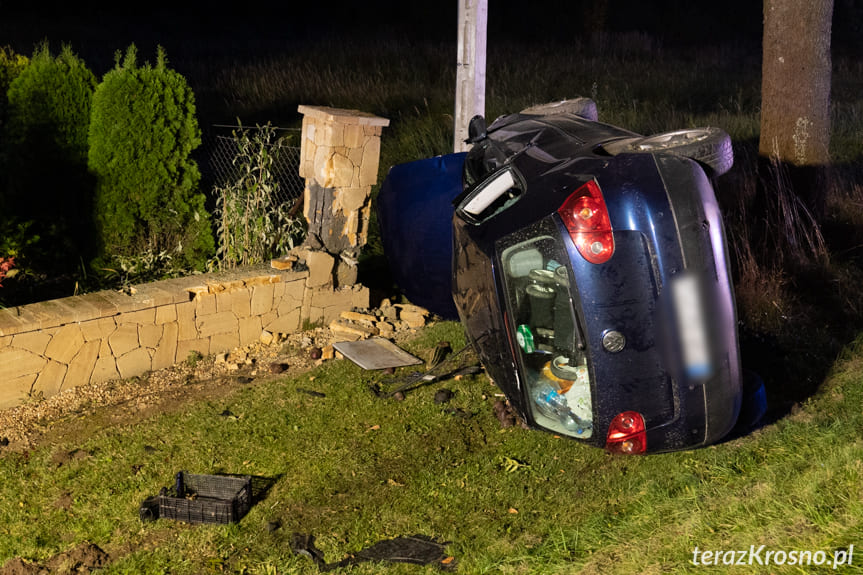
(389, 321)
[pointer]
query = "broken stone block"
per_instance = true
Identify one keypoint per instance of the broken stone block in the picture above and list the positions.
(320, 268)
(352, 199)
(360, 317)
(285, 262)
(406, 307)
(390, 313)
(412, 319)
(341, 327)
(346, 274)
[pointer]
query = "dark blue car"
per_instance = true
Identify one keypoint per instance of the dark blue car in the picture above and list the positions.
(589, 267)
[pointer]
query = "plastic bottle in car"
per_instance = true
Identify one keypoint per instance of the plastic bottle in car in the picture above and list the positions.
(553, 404)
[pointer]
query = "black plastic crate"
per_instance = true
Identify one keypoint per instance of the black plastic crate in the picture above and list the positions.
(202, 499)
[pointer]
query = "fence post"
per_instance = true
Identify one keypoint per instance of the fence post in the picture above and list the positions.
(339, 158)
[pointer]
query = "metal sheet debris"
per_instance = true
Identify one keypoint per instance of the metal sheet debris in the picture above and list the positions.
(376, 353)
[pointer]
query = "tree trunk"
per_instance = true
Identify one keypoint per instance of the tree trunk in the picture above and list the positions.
(795, 94)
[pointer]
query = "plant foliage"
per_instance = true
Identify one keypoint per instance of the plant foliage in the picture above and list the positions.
(142, 133)
(47, 189)
(254, 224)
(11, 65)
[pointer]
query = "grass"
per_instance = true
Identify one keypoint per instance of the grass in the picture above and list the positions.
(353, 469)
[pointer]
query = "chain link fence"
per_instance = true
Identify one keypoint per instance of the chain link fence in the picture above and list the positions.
(219, 148)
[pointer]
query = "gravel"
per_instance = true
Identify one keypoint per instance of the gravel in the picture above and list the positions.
(25, 426)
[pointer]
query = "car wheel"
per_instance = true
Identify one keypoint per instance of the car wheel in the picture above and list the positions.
(708, 146)
(583, 107)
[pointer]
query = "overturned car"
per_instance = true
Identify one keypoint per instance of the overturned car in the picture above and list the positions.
(588, 265)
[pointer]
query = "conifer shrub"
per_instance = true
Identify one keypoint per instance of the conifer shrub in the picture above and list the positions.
(142, 133)
(11, 65)
(47, 186)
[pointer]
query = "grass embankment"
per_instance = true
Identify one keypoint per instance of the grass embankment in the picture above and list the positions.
(351, 469)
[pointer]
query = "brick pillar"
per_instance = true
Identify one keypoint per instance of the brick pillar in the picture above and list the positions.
(339, 161)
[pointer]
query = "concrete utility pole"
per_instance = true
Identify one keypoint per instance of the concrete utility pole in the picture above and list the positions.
(470, 67)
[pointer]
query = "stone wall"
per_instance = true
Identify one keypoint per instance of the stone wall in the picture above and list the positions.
(51, 346)
(55, 345)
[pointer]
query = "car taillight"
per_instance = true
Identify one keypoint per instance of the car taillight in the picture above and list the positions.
(586, 218)
(626, 434)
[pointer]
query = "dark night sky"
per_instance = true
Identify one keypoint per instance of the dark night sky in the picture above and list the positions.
(674, 22)
(527, 20)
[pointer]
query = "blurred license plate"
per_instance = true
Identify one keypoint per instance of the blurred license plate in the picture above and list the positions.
(691, 325)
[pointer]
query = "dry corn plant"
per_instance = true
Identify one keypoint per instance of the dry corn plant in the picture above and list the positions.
(254, 225)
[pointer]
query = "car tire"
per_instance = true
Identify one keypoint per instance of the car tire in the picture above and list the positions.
(582, 107)
(708, 146)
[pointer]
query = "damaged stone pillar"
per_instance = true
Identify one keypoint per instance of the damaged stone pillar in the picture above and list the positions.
(339, 161)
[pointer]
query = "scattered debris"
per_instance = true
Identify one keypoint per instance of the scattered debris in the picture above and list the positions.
(352, 331)
(386, 321)
(443, 395)
(504, 414)
(303, 544)
(266, 338)
(377, 353)
(415, 549)
(442, 349)
(273, 526)
(461, 363)
(277, 367)
(311, 392)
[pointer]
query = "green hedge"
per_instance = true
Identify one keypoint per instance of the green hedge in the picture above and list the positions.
(45, 154)
(142, 133)
(11, 65)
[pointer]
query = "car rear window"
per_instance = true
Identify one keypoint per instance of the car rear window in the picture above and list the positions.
(544, 329)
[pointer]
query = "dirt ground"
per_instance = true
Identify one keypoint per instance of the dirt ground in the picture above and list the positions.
(83, 410)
